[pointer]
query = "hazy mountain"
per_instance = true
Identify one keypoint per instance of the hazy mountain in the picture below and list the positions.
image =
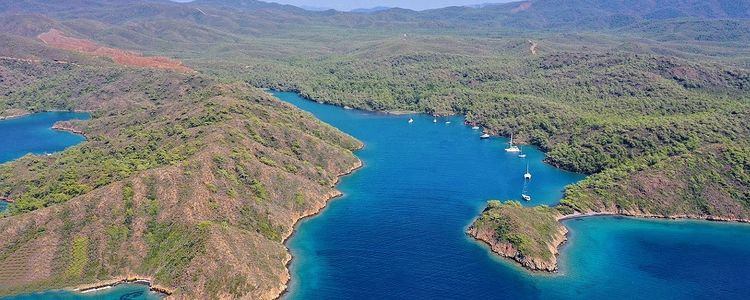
(247, 5)
(525, 15)
(314, 8)
(370, 10)
(587, 14)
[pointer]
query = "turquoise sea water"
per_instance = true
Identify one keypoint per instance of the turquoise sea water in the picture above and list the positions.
(34, 134)
(120, 292)
(398, 232)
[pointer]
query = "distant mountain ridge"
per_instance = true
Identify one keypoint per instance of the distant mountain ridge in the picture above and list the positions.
(246, 5)
(589, 14)
(314, 8)
(554, 15)
(370, 10)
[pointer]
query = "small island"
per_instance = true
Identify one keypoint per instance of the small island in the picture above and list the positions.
(529, 236)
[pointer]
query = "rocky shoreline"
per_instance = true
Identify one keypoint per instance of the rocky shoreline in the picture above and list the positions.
(537, 264)
(14, 113)
(66, 126)
(273, 294)
(507, 250)
(99, 286)
(313, 211)
(18, 113)
(655, 216)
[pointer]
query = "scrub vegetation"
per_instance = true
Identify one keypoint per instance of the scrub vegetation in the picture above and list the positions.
(528, 235)
(173, 183)
(650, 99)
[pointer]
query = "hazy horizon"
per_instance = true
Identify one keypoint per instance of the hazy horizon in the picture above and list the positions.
(415, 5)
(345, 5)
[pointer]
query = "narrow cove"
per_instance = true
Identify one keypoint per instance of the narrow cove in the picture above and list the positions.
(33, 134)
(398, 232)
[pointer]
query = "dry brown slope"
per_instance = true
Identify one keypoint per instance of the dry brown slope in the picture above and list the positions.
(194, 190)
(57, 39)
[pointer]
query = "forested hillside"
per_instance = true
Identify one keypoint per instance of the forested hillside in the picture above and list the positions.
(650, 97)
(182, 180)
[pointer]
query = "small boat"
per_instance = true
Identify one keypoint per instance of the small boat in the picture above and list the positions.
(484, 136)
(527, 176)
(511, 147)
(525, 192)
(522, 155)
(347, 107)
(475, 127)
(411, 120)
(434, 120)
(447, 122)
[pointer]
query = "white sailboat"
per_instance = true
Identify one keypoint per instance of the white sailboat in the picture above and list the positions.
(411, 120)
(527, 176)
(475, 127)
(525, 193)
(434, 120)
(484, 136)
(511, 147)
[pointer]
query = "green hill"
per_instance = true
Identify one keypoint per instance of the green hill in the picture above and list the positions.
(649, 97)
(183, 180)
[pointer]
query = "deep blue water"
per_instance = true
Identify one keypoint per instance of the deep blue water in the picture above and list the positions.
(398, 232)
(34, 134)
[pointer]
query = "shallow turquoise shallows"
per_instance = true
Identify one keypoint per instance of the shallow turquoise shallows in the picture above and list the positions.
(34, 134)
(120, 292)
(399, 231)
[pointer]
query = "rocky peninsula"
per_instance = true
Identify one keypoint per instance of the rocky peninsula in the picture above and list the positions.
(67, 126)
(709, 183)
(530, 236)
